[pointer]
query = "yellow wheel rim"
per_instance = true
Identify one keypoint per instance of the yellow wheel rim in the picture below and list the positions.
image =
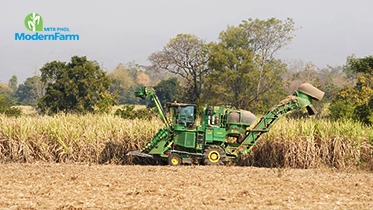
(214, 156)
(175, 160)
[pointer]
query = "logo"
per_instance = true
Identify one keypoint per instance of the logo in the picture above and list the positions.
(34, 22)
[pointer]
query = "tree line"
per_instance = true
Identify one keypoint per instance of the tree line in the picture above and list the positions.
(240, 71)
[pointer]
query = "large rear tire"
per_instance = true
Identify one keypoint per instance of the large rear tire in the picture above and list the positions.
(174, 159)
(213, 155)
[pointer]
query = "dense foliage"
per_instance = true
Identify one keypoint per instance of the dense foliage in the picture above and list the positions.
(7, 109)
(168, 90)
(356, 102)
(73, 87)
(244, 72)
(30, 91)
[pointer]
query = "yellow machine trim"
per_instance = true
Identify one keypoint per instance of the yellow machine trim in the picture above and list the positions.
(175, 160)
(214, 156)
(163, 117)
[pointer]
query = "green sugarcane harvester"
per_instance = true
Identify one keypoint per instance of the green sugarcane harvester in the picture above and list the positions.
(222, 135)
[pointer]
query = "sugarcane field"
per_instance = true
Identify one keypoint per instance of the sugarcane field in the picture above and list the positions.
(314, 167)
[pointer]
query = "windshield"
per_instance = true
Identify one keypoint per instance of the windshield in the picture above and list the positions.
(186, 116)
(187, 111)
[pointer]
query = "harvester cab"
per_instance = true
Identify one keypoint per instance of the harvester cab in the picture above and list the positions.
(183, 116)
(185, 139)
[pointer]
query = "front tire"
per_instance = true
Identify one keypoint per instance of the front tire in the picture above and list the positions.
(174, 159)
(213, 155)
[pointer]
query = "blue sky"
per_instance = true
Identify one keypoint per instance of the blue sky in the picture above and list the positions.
(113, 32)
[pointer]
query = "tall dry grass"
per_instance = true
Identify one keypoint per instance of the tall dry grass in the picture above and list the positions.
(304, 143)
(312, 143)
(78, 138)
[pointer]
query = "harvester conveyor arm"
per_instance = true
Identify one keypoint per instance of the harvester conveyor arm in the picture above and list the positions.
(292, 103)
(149, 92)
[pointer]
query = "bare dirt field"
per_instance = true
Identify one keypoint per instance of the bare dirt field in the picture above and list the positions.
(83, 186)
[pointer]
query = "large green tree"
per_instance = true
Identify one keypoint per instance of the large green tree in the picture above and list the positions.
(245, 72)
(266, 38)
(184, 56)
(30, 91)
(231, 80)
(77, 86)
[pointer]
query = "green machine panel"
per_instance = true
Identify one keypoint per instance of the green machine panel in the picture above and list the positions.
(215, 134)
(186, 139)
(219, 134)
(209, 135)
